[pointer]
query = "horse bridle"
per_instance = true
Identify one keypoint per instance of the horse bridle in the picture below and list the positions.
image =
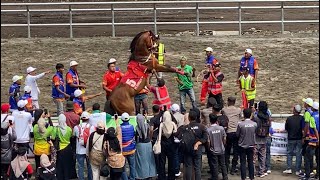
(151, 54)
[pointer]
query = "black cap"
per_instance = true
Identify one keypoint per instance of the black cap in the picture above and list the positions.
(232, 99)
(22, 151)
(212, 101)
(217, 64)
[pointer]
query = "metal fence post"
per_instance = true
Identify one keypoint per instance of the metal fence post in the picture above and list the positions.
(28, 21)
(70, 21)
(198, 28)
(155, 18)
(239, 14)
(282, 18)
(112, 15)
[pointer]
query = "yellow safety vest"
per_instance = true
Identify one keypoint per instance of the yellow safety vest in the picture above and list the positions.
(246, 84)
(161, 54)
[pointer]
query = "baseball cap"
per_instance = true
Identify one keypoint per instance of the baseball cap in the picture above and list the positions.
(125, 117)
(27, 89)
(183, 58)
(5, 107)
(73, 63)
(85, 115)
(248, 51)
(16, 78)
(297, 108)
(209, 49)
(308, 101)
(175, 108)
(217, 64)
(30, 69)
(69, 105)
(112, 60)
(22, 103)
(77, 93)
(315, 105)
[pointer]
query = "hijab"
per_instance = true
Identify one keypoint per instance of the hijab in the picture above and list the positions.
(62, 124)
(169, 126)
(36, 116)
(142, 127)
(42, 126)
(113, 140)
(44, 161)
(20, 163)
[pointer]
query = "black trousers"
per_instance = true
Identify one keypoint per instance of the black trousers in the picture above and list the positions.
(246, 156)
(64, 163)
(167, 151)
(218, 162)
(232, 143)
(218, 98)
(193, 162)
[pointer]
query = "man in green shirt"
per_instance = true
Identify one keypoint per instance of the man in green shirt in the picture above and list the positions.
(185, 85)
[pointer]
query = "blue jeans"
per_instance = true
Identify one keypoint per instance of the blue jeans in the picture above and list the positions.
(294, 148)
(183, 93)
(268, 155)
(132, 166)
(80, 160)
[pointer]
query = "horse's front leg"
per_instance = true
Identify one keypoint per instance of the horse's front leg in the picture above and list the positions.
(167, 68)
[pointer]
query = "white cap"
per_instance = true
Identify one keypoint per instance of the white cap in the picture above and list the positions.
(22, 103)
(77, 93)
(308, 101)
(73, 63)
(112, 60)
(315, 105)
(27, 89)
(248, 51)
(125, 117)
(85, 115)
(16, 78)
(209, 49)
(30, 69)
(175, 108)
(297, 108)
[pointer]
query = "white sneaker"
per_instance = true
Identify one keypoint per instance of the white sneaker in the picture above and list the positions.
(262, 175)
(266, 174)
(269, 171)
(288, 171)
(299, 173)
(178, 174)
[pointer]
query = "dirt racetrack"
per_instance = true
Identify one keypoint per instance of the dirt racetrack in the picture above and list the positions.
(289, 65)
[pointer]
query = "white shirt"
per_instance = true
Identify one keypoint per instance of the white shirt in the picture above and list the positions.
(7, 120)
(22, 126)
(80, 149)
(95, 117)
(32, 82)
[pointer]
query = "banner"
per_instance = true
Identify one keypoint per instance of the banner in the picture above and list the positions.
(279, 140)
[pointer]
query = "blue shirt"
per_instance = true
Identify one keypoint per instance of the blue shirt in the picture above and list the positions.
(15, 90)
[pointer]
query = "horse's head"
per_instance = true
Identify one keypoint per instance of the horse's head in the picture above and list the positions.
(142, 43)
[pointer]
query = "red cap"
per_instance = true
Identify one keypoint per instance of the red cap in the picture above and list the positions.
(5, 107)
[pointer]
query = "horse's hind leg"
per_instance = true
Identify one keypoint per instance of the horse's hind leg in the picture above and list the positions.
(121, 107)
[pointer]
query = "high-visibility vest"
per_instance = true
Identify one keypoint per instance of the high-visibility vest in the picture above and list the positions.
(214, 87)
(161, 53)
(246, 85)
(162, 97)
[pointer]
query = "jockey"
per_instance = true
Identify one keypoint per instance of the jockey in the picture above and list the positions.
(212, 85)
(111, 78)
(27, 96)
(249, 61)
(160, 92)
(210, 59)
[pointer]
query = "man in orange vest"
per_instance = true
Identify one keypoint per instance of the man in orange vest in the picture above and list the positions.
(212, 85)
(160, 92)
(111, 78)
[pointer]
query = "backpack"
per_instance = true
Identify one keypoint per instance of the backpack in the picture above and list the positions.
(6, 154)
(84, 134)
(262, 126)
(188, 139)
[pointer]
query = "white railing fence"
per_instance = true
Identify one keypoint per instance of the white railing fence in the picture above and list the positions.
(197, 6)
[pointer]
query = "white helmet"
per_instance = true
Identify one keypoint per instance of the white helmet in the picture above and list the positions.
(77, 93)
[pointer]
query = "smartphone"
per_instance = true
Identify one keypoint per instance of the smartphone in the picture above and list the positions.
(45, 111)
(165, 108)
(115, 116)
(48, 139)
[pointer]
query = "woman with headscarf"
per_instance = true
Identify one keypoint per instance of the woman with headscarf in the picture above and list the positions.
(95, 150)
(145, 163)
(20, 168)
(6, 147)
(39, 113)
(63, 133)
(113, 146)
(168, 147)
(47, 169)
(41, 135)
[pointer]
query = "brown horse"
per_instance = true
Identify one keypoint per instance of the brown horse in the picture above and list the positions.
(141, 63)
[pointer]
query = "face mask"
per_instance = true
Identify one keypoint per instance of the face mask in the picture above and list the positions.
(100, 131)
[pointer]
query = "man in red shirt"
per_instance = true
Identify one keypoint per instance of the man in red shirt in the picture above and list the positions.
(111, 78)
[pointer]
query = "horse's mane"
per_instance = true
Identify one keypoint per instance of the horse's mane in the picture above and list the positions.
(135, 39)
